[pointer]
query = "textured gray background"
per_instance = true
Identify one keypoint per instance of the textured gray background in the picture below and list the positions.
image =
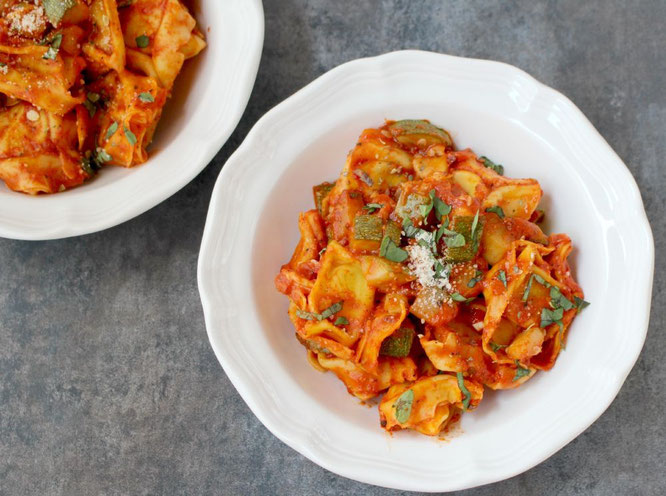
(107, 382)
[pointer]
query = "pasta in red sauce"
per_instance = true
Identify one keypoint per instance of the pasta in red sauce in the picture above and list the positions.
(423, 275)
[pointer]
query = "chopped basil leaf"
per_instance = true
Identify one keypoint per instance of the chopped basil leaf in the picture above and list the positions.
(330, 311)
(478, 275)
(467, 397)
(580, 303)
(371, 207)
(403, 406)
(540, 280)
(146, 97)
(453, 239)
(90, 107)
(426, 208)
(93, 97)
(55, 9)
(492, 165)
(142, 41)
(549, 317)
(408, 227)
(390, 251)
(460, 298)
(441, 208)
(442, 229)
(441, 270)
(502, 277)
(496, 210)
(520, 372)
(528, 288)
(496, 347)
(363, 176)
(112, 130)
(87, 167)
(558, 300)
(53, 48)
(321, 252)
(398, 344)
(2, 64)
(333, 309)
(475, 223)
(102, 156)
(129, 135)
(341, 321)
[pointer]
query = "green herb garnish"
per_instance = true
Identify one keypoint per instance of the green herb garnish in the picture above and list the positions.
(460, 298)
(142, 41)
(129, 135)
(112, 130)
(478, 275)
(558, 300)
(372, 207)
(146, 97)
(441, 208)
(580, 303)
(341, 321)
(496, 210)
(398, 344)
(492, 165)
(467, 397)
(330, 311)
(475, 223)
(502, 277)
(496, 347)
(403, 406)
(102, 156)
(528, 288)
(54, 47)
(90, 107)
(549, 317)
(520, 372)
(390, 251)
(89, 103)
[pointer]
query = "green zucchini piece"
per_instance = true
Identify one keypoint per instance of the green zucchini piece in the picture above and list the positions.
(410, 131)
(465, 253)
(368, 227)
(392, 230)
(320, 192)
(398, 344)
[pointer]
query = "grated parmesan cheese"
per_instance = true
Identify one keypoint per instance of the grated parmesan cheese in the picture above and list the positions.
(421, 265)
(29, 22)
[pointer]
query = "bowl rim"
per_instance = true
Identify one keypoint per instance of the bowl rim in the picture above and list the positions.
(239, 376)
(70, 222)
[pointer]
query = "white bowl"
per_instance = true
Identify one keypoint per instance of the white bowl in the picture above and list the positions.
(208, 100)
(501, 112)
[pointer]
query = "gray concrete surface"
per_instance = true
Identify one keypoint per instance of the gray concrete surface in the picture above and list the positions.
(107, 382)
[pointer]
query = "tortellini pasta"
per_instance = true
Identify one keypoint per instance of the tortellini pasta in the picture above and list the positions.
(423, 275)
(83, 84)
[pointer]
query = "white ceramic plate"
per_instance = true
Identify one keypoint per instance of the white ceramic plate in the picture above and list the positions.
(208, 100)
(501, 112)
